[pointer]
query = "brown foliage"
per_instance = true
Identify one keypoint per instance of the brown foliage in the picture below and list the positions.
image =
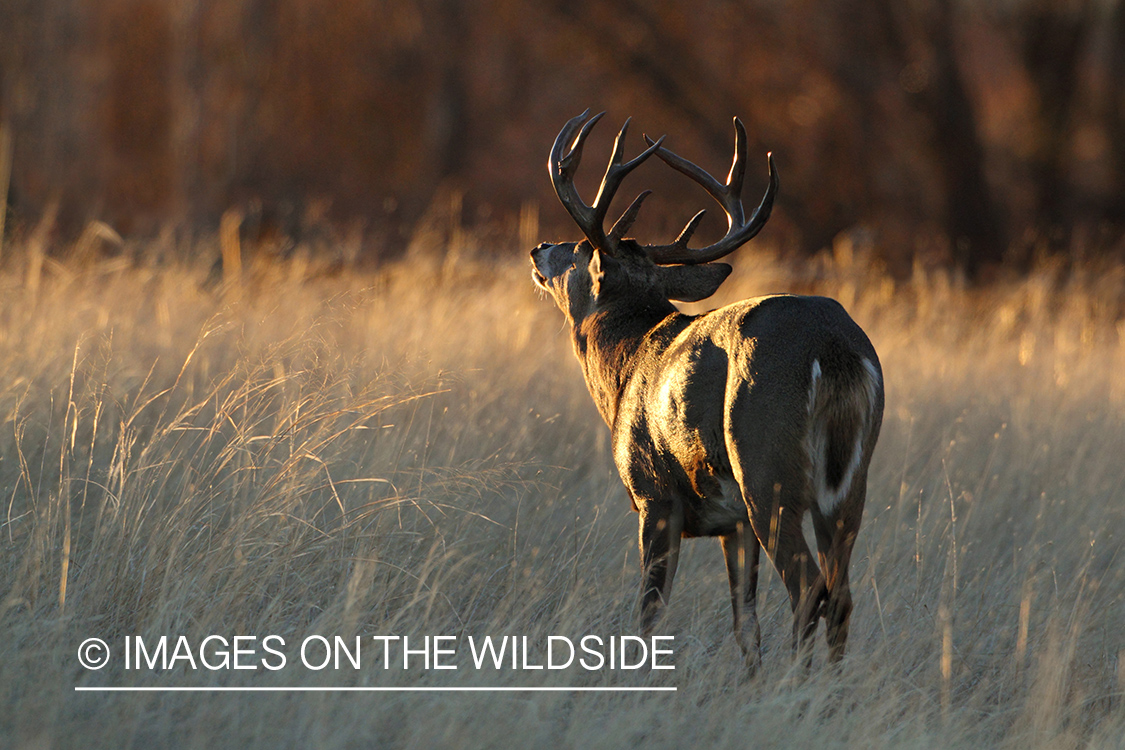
(940, 130)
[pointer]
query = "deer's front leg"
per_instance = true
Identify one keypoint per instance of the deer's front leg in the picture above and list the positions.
(660, 552)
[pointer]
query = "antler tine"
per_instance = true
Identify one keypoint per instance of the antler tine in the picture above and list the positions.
(562, 167)
(616, 171)
(737, 172)
(591, 218)
(622, 225)
(729, 196)
(673, 253)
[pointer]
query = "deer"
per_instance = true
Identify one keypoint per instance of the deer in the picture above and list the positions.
(734, 423)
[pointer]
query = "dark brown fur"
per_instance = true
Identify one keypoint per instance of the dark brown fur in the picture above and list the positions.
(732, 424)
(710, 417)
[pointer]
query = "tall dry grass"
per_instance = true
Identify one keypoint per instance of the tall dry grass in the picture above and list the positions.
(412, 452)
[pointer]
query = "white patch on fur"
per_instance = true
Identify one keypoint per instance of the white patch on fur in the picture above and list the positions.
(813, 384)
(816, 440)
(872, 383)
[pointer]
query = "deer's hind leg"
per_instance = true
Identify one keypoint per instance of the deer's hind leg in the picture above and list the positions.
(771, 470)
(741, 551)
(835, 538)
(776, 512)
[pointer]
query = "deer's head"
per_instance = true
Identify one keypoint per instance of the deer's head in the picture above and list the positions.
(606, 266)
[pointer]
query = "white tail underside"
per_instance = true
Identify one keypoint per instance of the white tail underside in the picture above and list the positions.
(862, 400)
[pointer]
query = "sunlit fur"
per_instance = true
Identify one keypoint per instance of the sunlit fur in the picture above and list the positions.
(734, 424)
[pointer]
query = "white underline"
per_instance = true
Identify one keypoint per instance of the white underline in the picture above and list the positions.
(374, 689)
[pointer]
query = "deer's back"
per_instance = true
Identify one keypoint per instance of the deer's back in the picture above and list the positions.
(672, 430)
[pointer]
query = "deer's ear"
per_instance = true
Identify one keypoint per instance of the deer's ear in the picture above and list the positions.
(691, 283)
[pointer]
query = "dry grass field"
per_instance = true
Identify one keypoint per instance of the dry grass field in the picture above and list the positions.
(413, 452)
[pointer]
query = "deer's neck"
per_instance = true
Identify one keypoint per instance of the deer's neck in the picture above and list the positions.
(612, 343)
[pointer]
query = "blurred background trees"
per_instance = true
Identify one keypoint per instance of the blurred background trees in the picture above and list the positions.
(931, 131)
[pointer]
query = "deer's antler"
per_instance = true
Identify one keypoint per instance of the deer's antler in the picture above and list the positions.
(729, 196)
(591, 218)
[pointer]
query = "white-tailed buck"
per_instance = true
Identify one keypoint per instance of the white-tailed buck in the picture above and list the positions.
(734, 423)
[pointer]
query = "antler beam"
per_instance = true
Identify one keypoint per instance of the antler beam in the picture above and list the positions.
(729, 196)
